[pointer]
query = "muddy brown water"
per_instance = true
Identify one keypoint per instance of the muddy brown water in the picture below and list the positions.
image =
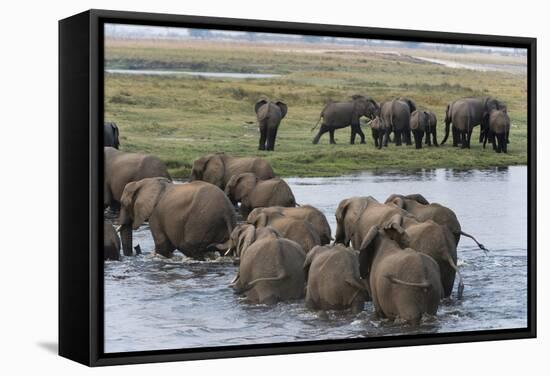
(153, 303)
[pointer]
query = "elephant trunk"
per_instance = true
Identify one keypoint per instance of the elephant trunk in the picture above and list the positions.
(340, 237)
(126, 239)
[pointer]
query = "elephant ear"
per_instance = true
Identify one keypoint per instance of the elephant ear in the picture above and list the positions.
(309, 258)
(283, 107)
(412, 105)
(246, 237)
(367, 251)
(418, 198)
(397, 200)
(240, 186)
(259, 104)
(212, 169)
(341, 210)
(394, 229)
(140, 198)
(261, 220)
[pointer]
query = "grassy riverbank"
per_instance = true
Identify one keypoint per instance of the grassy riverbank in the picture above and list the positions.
(180, 118)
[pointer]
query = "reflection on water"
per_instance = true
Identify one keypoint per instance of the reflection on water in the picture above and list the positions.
(153, 303)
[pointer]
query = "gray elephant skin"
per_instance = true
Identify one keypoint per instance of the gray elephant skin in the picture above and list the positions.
(188, 217)
(110, 134)
(498, 130)
(337, 115)
(403, 283)
(218, 168)
(424, 123)
(396, 115)
(333, 279)
(111, 242)
(269, 115)
(252, 192)
(298, 230)
(380, 132)
(121, 168)
(466, 113)
(263, 216)
(270, 266)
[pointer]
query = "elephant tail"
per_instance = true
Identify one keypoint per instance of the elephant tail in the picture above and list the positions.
(316, 124)
(420, 285)
(481, 246)
(251, 284)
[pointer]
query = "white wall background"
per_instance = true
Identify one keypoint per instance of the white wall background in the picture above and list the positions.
(28, 264)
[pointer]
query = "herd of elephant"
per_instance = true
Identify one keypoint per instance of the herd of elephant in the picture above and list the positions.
(401, 254)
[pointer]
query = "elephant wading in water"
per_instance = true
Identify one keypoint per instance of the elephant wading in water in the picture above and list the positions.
(111, 242)
(423, 123)
(303, 212)
(269, 115)
(110, 134)
(298, 230)
(338, 115)
(403, 283)
(122, 168)
(188, 217)
(252, 192)
(464, 114)
(497, 130)
(218, 168)
(270, 266)
(333, 280)
(396, 114)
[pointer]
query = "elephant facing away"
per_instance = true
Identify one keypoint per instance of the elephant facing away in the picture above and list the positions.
(188, 217)
(298, 230)
(218, 168)
(333, 280)
(380, 132)
(423, 123)
(396, 114)
(270, 266)
(252, 192)
(423, 210)
(110, 134)
(111, 242)
(498, 130)
(263, 216)
(121, 168)
(269, 115)
(403, 283)
(466, 113)
(336, 115)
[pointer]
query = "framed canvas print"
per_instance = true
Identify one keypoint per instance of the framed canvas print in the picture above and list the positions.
(236, 187)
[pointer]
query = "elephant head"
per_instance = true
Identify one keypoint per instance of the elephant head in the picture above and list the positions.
(240, 186)
(282, 106)
(210, 168)
(364, 106)
(348, 212)
(138, 201)
(400, 200)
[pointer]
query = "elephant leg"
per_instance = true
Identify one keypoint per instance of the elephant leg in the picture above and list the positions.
(434, 135)
(163, 246)
(271, 136)
(456, 136)
(417, 140)
(429, 138)
(504, 142)
(397, 138)
(498, 141)
(359, 131)
(263, 135)
(408, 138)
(464, 139)
(375, 137)
(322, 131)
(352, 136)
(469, 137)
(331, 133)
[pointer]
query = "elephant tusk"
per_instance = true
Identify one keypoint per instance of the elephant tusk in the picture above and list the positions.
(228, 251)
(118, 228)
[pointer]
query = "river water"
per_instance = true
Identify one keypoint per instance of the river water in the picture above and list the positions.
(153, 303)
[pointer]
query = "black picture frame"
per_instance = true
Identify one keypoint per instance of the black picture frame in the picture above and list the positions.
(80, 172)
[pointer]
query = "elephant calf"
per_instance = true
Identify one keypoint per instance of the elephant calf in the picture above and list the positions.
(262, 217)
(111, 242)
(497, 130)
(269, 115)
(403, 283)
(252, 192)
(188, 217)
(423, 122)
(333, 280)
(380, 132)
(270, 266)
(298, 230)
(218, 168)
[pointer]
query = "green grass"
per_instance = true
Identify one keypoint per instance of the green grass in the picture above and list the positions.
(182, 118)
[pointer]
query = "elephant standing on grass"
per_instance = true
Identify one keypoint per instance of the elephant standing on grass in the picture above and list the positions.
(338, 115)
(333, 280)
(497, 130)
(122, 168)
(188, 217)
(270, 266)
(262, 216)
(403, 283)
(254, 193)
(464, 114)
(110, 134)
(423, 123)
(269, 115)
(396, 115)
(111, 242)
(380, 132)
(218, 168)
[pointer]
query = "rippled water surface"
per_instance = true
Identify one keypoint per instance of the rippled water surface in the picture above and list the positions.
(153, 303)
